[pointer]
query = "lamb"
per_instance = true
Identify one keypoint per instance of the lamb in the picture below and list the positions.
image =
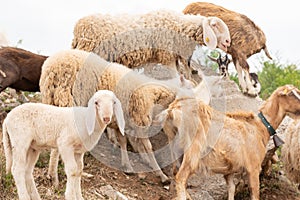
(69, 77)
(156, 37)
(226, 143)
(242, 31)
(20, 69)
(224, 61)
(290, 151)
(32, 127)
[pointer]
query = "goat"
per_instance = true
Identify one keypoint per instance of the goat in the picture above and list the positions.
(226, 143)
(20, 69)
(224, 61)
(31, 127)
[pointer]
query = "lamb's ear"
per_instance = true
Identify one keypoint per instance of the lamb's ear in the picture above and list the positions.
(90, 119)
(209, 36)
(119, 115)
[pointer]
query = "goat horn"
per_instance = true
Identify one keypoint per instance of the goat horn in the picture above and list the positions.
(296, 94)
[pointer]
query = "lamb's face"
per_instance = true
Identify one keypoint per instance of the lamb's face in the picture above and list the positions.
(104, 103)
(222, 32)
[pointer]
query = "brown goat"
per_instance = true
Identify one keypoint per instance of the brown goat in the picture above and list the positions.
(226, 143)
(242, 32)
(20, 69)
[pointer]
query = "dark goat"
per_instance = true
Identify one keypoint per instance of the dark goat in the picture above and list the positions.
(223, 62)
(20, 69)
(246, 38)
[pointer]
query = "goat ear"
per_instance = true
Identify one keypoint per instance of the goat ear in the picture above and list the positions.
(90, 119)
(119, 115)
(296, 94)
(209, 36)
(160, 118)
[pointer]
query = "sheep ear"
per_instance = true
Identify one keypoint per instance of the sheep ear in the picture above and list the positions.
(91, 116)
(119, 115)
(209, 36)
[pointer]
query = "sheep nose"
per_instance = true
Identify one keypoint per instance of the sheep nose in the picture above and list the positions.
(106, 120)
(227, 41)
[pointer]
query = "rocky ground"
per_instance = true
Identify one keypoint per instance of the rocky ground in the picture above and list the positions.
(108, 182)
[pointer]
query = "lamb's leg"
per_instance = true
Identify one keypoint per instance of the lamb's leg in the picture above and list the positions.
(32, 157)
(254, 183)
(79, 161)
(153, 164)
(19, 171)
(72, 172)
(124, 154)
(230, 186)
(52, 169)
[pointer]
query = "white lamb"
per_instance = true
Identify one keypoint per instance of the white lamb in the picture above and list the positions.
(31, 127)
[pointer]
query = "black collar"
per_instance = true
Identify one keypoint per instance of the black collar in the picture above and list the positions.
(267, 124)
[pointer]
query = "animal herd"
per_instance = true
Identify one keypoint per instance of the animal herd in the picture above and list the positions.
(94, 87)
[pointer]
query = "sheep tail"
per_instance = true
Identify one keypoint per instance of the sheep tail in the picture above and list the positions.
(7, 148)
(267, 53)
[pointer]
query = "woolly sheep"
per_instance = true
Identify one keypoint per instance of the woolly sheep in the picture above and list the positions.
(156, 37)
(242, 31)
(226, 143)
(32, 127)
(290, 151)
(69, 77)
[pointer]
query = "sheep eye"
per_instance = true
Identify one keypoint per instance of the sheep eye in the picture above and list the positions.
(115, 102)
(96, 103)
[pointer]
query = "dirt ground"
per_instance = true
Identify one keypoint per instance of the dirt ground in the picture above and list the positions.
(108, 182)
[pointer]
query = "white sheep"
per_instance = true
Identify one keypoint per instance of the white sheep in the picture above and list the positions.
(32, 127)
(247, 38)
(161, 36)
(290, 151)
(216, 142)
(69, 77)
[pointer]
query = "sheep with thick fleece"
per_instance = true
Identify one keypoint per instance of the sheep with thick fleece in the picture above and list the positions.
(290, 151)
(70, 77)
(32, 127)
(247, 38)
(226, 143)
(161, 36)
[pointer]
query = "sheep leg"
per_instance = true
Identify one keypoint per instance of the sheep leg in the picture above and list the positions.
(72, 172)
(230, 186)
(32, 157)
(254, 183)
(153, 164)
(52, 169)
(242, 82)
(18, 172)
(79, 161)
(124, 154)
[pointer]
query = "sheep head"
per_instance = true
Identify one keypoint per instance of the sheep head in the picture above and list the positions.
(102, 106)
(216, 33)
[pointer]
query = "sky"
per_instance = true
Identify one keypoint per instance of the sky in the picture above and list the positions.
(46, 26)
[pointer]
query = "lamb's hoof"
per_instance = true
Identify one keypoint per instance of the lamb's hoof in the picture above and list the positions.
(87, 175)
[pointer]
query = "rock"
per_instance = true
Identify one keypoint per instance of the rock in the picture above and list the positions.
(109, 192)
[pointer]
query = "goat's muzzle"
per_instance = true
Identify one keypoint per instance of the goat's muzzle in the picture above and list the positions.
(106, 120)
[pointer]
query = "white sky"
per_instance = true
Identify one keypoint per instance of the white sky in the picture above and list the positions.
(47, 26)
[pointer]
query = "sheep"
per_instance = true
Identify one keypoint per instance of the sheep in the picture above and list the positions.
(160, 36)
(290, 151)
(69, 77)
(224, 61)
(20, 69)
(226, 143)
(242, 31)
(32, 127)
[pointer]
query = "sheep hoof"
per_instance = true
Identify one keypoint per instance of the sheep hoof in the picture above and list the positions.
(128, 170)
(166, 181)
(53, 180)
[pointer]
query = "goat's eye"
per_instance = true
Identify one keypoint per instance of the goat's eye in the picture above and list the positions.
(115, 102)
(96, 103)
